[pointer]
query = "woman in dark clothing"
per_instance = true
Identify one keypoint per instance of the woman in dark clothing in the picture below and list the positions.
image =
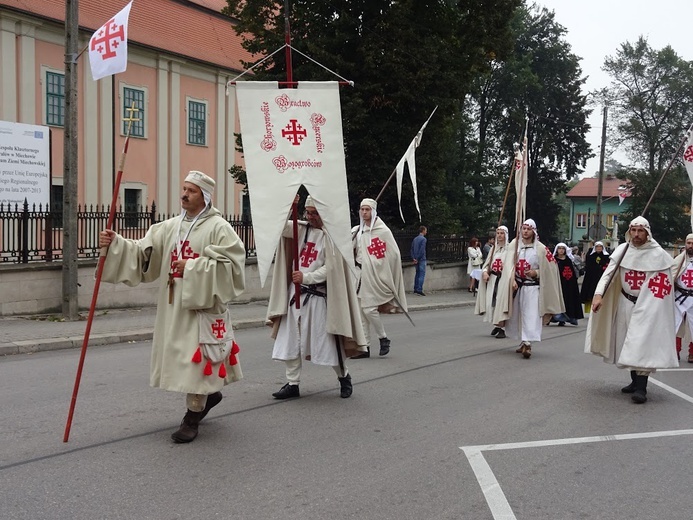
(595, 263)
(568, 274)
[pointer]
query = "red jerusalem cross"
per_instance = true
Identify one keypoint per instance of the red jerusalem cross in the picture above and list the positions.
(309, 254)
(108, 39)
(688, 154)
(549, 256)
(522, 266)
(567, 272)
(294, 132)
(497, 265)
(219, 328)
(187, 253)
(659, 285)
(687, 278)
(377, 248)
(635, 279)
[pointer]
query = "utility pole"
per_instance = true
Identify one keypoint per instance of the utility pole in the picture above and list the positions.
(600, 183)
(70, 163)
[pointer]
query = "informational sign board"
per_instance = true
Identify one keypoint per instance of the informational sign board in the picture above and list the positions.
(24, 164)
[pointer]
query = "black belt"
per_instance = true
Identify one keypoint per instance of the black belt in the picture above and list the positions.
(310, 290)
(522, 282)
(497, 273)
(683, 294)
(632, 298)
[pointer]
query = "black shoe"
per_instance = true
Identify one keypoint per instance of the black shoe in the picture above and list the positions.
(363, 355)
(346, 388)
(188, 428)
(561, 323)
(495, 331)
(640, 394)
(384, 347)
(573, 321)
(420, 293)
(212, 400)
(632, 386)
(287, 391)
(501, 335)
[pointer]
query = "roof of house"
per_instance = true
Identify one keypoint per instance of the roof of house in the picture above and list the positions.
(190, 28)
(588, 187)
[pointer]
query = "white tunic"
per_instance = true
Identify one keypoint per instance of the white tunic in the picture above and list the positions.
(525, 321)
(684, 303)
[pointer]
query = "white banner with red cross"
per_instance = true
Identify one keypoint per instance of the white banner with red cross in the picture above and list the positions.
(108, 47)
(688, 161)
(293, 137)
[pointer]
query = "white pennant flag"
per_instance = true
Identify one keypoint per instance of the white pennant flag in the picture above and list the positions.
(409, 159)
(108, 47)
(293, 137)
(688, 161)
(521, 169)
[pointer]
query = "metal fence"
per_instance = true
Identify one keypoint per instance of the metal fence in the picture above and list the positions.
(36, 234)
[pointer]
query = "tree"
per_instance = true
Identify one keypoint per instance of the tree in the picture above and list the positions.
(542, 81)
(651, 102)
(405, 58)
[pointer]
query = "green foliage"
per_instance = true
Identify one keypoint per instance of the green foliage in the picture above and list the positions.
(651, 104)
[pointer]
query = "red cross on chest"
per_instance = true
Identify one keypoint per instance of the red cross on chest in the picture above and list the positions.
(187, 253)
(567, 272)
(659, 285)
(377, 248)
(309, 254)
(522, 266)
(497, 265)
(687, 278)
(219, 329)
(635, 279)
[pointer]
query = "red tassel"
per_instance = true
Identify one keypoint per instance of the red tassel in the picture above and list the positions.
(232, 356)
(197, 356)
(222, 370)
(208, 368)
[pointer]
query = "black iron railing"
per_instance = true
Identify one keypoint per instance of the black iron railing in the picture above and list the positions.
(35, 234)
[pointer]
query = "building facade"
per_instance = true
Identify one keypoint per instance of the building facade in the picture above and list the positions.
(181, 54)
(583, 209)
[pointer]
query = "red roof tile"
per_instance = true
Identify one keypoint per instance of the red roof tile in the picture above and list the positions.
(185, 28)
(588, 188)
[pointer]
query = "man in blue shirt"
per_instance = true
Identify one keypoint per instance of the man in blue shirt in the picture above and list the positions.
(418, 256)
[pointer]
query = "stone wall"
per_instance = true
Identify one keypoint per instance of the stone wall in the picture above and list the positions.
(37, 288)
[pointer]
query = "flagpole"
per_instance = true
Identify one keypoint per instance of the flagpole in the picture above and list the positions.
(99, 273)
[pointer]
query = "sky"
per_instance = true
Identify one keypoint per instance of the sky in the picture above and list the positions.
(597, 28)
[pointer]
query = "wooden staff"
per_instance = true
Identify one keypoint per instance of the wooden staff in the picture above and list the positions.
(99, 272)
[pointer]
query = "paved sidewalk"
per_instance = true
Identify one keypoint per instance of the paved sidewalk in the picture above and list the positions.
(37, 333)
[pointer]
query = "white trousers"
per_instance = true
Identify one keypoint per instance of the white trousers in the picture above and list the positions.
(371, 316)
(525, 322)
(293, 370)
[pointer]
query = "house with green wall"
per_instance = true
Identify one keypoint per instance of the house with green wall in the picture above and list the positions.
(583, 209)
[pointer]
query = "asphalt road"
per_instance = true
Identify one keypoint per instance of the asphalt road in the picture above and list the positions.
(453, 424)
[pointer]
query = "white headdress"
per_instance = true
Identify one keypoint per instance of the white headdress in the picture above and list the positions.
(639, 222)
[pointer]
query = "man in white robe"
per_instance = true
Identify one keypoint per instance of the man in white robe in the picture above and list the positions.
(490, 278)
(632, 321)
(203, 261)
(381, 284)
(529, 293)
(327, 328)
(683, 287)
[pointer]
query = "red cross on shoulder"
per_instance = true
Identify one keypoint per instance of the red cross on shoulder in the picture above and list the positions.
(659, 285)
(377, 248)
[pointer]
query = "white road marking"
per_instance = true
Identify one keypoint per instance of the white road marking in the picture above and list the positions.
(495, 498)
(674, 391)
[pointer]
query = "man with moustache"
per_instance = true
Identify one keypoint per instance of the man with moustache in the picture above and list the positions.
(632, 323)
(203, 261)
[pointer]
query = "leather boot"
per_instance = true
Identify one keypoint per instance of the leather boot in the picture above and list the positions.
(362, 355)
(287, 392)
(384, 347)
(346, 388)
(640, 394)
(212, 400)
(632, 386)
(188, 428)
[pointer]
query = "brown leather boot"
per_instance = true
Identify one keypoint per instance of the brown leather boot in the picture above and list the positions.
(188, 427)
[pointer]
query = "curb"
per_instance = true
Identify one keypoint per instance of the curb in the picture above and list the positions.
(48, 344)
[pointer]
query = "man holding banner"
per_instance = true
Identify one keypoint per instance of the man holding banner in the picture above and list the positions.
(326, 329)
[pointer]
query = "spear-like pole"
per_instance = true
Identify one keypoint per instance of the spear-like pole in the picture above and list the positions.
(99, 272)
(676, 155)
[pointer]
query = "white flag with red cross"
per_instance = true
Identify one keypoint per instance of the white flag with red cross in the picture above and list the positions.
(623, 195)
(108, 47)
(688, 161)
(293, 137)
